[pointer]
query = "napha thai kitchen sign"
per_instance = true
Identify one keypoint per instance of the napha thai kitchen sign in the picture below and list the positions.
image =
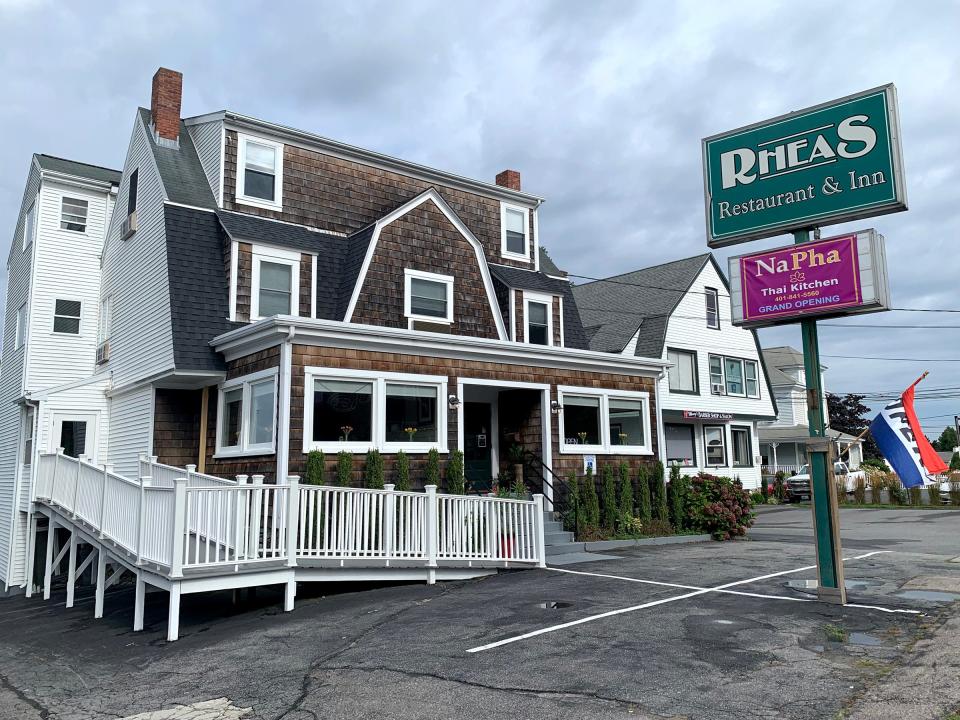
(841, 275)
(825, 165)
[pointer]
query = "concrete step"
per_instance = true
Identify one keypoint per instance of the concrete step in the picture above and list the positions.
(552, 526)
(565, 548)
(557, 538)
(575, 558)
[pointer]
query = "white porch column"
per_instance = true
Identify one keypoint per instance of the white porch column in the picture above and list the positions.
(773, 447)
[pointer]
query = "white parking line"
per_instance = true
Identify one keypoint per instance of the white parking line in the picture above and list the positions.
(663, 601)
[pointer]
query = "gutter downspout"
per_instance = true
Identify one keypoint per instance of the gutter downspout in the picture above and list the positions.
(661, 440)
(18, 463)
(283, 413)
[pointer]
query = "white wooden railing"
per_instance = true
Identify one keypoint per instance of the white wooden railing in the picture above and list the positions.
(183, 527)
(165, 475)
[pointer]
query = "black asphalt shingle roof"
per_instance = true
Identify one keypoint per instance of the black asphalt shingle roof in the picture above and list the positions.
(199, 297)
(638, 302)
(79, 169)
(356, 251)
(180, 169)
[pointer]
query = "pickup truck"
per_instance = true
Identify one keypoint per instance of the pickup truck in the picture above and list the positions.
(798, 486)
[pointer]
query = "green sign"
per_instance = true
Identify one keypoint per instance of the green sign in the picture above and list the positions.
(827, 164)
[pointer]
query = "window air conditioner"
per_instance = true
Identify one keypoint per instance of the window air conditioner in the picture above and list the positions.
(129, 226)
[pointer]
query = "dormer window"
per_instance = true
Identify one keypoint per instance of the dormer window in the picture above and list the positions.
(428, 296)
(713, 308)
(538, 319)
(260, 172)
(275, 288)
(515, 232)
(73, 214)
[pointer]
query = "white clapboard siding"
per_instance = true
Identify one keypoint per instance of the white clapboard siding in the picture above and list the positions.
(135, 274)
(67, 268)
(130, 428)
(19, 265)
(208, 140)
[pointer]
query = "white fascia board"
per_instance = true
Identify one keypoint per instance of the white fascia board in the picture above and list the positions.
(271, 331)
(310, 141)
(75, 180)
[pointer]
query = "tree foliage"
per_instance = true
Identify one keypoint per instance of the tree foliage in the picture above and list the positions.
(608, 497)
(848, 414)
(947, 440)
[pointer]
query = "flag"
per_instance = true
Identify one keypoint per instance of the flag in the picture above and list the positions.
(900, 438)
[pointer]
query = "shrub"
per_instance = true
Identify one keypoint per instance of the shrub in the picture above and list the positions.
(719, 506)
(626, 491)
(431, 473)
(657, 528)
(644, 511)
(933, 493)
(316, 470)
(455, 482)
(608, 497)
(916, 495)
(875, 479)
(955, 462)
(344, 468)
(780, 486)
(677, 492)
(630, 525)
(875, 463)
(898, 495)
(756, 498)
(374, 470)
(955, 492)
(763, 489)
(840, 485)
(401, 469)
(658, 493)
(519, 488)
(573, 517)
(860, 491)
(591, 503)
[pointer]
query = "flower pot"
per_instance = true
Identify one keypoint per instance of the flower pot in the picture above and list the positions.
(518, 472)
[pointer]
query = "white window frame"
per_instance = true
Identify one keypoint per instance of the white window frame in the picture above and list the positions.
(715, 294)
(246, 448)
(529, 297)
(54, 317)
(733, 446)
(411, 316)
(756, 375)
(20, 339)
(105, 319)
(726, 442)
(378, 411)
(91, 440)
(525, 257)
(86, 216)
(743, 377)
(279, 256)
(605, 447)
(241, 197)
(696, 370)
(29, 226)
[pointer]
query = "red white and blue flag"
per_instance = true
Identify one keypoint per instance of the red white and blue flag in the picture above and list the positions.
(900, 438)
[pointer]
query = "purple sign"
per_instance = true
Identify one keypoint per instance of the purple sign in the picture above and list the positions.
(809, 279)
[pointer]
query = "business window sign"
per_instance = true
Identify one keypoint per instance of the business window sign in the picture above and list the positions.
(835, 276)
(827, 164)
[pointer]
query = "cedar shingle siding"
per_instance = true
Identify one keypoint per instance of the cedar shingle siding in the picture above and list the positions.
(424, 239)
(335, 195)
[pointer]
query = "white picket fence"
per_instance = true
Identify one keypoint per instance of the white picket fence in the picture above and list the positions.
(182, 521)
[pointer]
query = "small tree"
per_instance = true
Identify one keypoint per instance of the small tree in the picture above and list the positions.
(626, 491)
(876, 486)
(374, 470)
(590, 501)
(344, 468)
(780, 486)
(455, 481)
(915, 496)
(677, 498)
(955, 462)
(644, 510)
(933, 493)
(608, 497)
(431, 474)
(316, 471)
(401, 468)
(658, 493)
(573, 517)
(764, 491)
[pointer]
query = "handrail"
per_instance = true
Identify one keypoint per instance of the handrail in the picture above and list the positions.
(561, 501)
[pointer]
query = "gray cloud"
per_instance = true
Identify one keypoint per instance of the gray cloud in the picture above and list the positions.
(600, 105)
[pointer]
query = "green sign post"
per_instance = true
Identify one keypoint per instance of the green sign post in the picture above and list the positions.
(831, 163)
(827, 164)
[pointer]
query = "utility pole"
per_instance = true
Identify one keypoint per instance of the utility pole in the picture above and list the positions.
(826, 521)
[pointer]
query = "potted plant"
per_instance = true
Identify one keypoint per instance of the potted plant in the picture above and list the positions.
(515, 453)
(346, 430)
(410, 431)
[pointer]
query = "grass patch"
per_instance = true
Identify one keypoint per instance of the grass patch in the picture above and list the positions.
(835, 633)
(885, 506)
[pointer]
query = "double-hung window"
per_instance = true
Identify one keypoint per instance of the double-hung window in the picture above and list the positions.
(66, 317)
(751, 378)
(29, 226)
(713, 308)
(428, 296)
(733, 372)
(355, 410)
(21, 336)
(716, 375)
(604, 421)
(515, 232)
(682, 376)
(734, 376)
(260, 172)
(275, 286)
(742, 446)
(246, 420)
(714, 442)
(73, 214)
(538, 318)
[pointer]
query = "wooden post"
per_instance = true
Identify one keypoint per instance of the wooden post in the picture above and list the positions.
(390, 516)
(179, 528)
(173, 612)
(204, 410)
(71, 568)
(293, 518)
(144, 483)
(138, 603)
(107, 469)
(101, 582)
(538, 519)
(76, 488)
(431, 491)
(56, 468)
(191, 471)
(48, 568)
(242, 519)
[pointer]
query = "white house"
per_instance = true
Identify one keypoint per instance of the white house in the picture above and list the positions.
(715, 390)
(783, 441)
(50, 393)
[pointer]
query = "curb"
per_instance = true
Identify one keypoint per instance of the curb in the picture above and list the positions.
(666, 540)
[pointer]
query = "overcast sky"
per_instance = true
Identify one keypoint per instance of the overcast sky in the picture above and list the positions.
(600, 105)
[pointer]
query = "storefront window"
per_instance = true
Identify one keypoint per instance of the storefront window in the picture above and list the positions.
(411, 413)
(681, 449)
(626, 422)
(342, 411)
(581, 420)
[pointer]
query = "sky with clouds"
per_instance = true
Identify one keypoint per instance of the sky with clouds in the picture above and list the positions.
(600, 105)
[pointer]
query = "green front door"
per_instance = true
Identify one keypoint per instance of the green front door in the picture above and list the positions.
(477, 440)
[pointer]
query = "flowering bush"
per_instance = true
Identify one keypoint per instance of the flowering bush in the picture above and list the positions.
(719, 506)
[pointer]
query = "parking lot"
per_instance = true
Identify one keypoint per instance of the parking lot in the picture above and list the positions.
(715, 630)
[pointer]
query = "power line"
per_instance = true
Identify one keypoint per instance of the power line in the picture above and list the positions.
(864, 357)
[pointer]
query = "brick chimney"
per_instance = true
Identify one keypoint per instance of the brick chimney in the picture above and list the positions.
(165, 104)
(509, 179)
